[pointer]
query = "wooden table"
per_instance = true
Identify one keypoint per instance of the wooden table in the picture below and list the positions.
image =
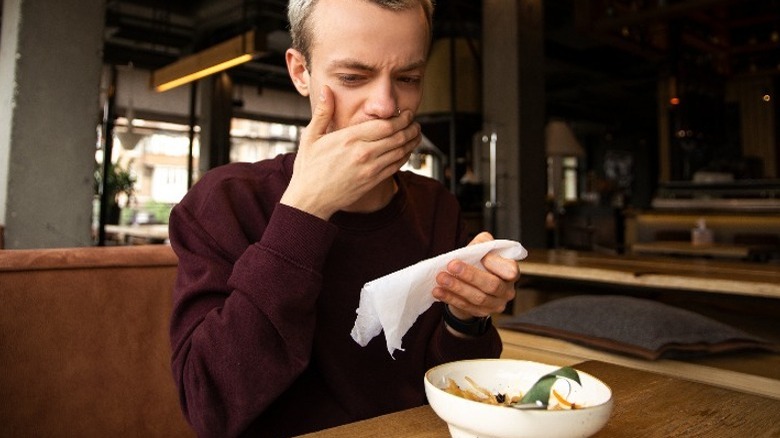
(646, 405)
(697, 275)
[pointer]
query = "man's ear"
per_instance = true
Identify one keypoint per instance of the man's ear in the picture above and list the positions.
(296, 66)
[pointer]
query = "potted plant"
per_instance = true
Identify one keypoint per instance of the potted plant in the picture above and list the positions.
(120, 186)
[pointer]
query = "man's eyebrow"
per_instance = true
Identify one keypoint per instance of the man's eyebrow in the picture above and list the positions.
(352, 64)
(355, 64)
(413, 66)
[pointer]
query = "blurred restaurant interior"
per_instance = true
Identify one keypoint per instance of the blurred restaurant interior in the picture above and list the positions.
(650, 118)
(633, 146)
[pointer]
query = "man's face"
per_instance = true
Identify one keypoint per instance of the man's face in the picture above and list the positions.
(372, 58)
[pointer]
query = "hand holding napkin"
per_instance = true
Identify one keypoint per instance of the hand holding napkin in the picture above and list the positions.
(392, 303)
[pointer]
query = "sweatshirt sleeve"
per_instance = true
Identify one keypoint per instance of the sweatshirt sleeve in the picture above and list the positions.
(243, 322)
(446, 347)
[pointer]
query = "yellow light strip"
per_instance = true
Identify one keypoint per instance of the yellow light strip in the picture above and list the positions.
(203, 73)
(223, 56)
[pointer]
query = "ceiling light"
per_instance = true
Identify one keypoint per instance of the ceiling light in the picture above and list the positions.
(233, 52)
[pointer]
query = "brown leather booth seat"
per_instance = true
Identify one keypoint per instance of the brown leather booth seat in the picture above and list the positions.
(84, 347)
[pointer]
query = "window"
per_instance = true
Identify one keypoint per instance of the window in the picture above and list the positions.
(157, 154)
(168, 183)
(252, 140)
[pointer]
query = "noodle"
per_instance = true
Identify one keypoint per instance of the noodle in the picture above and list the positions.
(484, 395)
(481, 394)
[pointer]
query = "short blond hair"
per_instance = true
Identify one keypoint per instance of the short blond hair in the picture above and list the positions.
(299, 12)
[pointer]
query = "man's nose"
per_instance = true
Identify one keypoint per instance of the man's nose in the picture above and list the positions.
(382, 103)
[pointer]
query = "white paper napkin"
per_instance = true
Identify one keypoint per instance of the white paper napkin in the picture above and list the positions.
(392, 303)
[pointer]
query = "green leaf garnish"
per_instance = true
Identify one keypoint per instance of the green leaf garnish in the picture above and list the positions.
(540, 391)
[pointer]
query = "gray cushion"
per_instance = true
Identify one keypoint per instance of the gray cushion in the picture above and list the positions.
(634, 326)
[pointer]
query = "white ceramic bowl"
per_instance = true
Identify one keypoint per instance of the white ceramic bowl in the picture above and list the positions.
(467, 418)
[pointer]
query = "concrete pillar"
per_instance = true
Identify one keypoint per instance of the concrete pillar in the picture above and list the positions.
(217, 112)
(50, 66)
(513, 106)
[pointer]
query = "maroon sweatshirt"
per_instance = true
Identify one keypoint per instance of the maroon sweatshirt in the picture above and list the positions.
(266, 295)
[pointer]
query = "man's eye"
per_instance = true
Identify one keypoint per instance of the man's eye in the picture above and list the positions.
(410, 80)
(350, 79)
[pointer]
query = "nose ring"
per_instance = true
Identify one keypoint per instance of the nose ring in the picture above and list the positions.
(397, 111)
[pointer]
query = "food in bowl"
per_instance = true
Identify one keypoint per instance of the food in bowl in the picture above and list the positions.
(591, 399)
(555, 390)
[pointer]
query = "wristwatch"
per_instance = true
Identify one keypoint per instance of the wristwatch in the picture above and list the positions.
(472, 327)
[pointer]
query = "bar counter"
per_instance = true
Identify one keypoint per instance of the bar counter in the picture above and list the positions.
(695, 275)
(688, 249)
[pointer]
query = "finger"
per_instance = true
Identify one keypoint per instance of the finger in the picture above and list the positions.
(465, 277)
(481, 238)
(505, 268)
(400, 145)
(464, 306)
(321, 116)
(407, 153)
(389, 155)
(375, 130)
(396, 165)
(491, 296)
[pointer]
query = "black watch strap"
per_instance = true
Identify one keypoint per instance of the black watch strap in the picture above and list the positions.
(472, 327)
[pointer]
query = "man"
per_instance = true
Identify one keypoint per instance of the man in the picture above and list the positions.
(273, 255)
